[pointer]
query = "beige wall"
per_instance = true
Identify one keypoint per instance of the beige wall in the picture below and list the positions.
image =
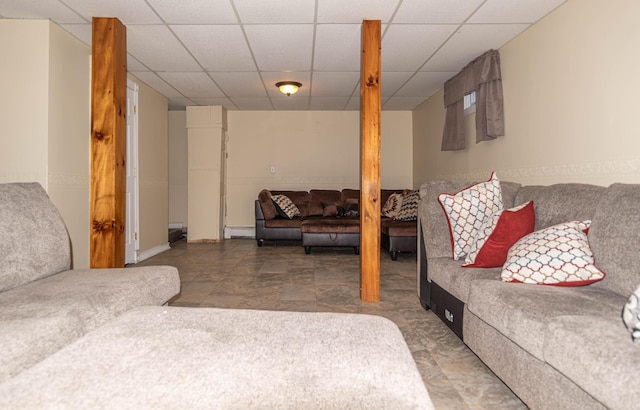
(309, 149)
(24, 104)
(45, 119)
(69, 136)
(571, 98)
(153, 167)
(178, 171)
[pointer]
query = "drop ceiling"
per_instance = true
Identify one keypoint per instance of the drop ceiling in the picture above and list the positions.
(232, 52)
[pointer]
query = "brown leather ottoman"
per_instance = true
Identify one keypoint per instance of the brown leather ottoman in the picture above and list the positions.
(331, 232)
(398, 236)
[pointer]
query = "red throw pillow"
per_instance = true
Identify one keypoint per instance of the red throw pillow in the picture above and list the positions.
(511, 226)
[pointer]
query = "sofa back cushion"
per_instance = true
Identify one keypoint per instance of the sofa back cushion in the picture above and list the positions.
(559, 203)
(35, 242)
(614, 237)
(318, 197)
(266, 204)
(299, 198)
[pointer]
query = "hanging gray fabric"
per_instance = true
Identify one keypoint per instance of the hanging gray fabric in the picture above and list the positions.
(483, 76)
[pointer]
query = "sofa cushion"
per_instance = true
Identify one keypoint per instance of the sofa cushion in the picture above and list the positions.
(266, 203)
(557, 255)
(34, 243)
(467, 209)
(455, 279)
(27, 341)
(521, 312)
(596, 353)
(614, 237)
(392, 227)
(93, 296)
(560, 203)
(317, 197)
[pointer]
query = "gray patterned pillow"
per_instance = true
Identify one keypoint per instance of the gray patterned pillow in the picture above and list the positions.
(631, 314)
(285, 206)
(409, 208)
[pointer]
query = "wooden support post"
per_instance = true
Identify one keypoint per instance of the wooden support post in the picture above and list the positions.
(108, 143)
(370, 85)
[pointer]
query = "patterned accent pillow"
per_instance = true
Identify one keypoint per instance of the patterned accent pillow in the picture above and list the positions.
(467, 210)
(490, 247)
(392, 207)
(631, 314)
(409, 209)
(558, 255)
(285, 206)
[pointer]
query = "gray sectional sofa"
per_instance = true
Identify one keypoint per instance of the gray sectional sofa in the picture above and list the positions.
(555, 347)
(101, 338)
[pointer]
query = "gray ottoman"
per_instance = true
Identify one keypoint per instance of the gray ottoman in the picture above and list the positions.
(171, 357)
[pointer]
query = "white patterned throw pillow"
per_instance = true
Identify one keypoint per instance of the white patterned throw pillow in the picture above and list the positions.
(631, 314)
(558, 255)
(467, 210)
(285, 206)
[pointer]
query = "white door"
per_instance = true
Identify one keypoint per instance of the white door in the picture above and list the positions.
(132, 240)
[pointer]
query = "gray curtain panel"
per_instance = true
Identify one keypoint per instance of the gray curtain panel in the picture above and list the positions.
(483, 76)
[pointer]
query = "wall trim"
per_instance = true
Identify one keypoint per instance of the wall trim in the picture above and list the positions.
(239, 232)
(146, 254)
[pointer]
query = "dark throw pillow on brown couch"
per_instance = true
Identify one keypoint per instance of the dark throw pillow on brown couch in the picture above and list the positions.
(268, 208)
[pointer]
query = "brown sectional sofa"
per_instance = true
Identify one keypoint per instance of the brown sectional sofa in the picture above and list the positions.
(317, 225)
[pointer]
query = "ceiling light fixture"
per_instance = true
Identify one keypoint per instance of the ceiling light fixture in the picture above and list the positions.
(288, 87)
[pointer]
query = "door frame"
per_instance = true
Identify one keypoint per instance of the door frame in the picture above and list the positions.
(132, 221)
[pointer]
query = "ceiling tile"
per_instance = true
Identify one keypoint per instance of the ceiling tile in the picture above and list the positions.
(217, 48)
(82, 32)
(353, 104)
(179, 104)
(271, 78)
(295, 102)
(281, 11)
(192, 85)
(424, 40)
(337, 47)
(195, 11)
(127, 11)
(156, 47)
(281, 47)
(401, 103)
(327, 84)
(509, 11)
(424, 84)
(471, 41)
(240, 84)
(435, 11)
(328, 103)
(392, 81)
(354, 11)
(157, 83)
(253, 103)
(39, 9)
(134, 65)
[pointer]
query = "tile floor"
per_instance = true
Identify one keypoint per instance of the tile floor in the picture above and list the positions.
(237, 274)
